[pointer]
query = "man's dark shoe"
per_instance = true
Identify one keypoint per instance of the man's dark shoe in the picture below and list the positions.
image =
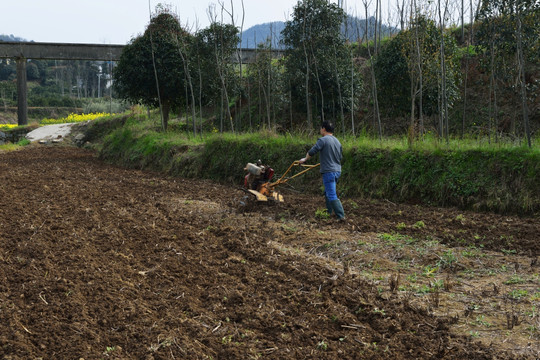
(338, 209)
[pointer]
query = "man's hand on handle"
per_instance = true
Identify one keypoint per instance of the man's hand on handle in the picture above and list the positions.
(304, 159)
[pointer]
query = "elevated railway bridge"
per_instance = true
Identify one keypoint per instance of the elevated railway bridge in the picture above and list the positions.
(23, 51)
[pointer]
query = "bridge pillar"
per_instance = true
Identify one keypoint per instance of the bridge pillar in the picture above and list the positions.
(22, 104)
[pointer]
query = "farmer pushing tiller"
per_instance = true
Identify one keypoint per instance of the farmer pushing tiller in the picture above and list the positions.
(258, 180)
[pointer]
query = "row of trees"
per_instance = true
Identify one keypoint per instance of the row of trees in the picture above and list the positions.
(418, 81)
(476, 77)
(60, 82)
(173, 69)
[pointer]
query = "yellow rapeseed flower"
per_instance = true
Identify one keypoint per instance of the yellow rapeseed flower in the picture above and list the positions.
(71, 118)
(7, 126)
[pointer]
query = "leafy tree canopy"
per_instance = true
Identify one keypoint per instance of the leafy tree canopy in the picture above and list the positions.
(212, 53)
(316, 52)
(151, 68)
(398, 60)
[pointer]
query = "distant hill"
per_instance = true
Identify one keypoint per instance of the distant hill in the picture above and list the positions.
(11, 38)
(260, 33)
(353, 28)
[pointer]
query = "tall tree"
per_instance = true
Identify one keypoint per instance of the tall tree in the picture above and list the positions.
(509, 30)
(317, 60)
(397, 70)
(151, 70)
(217, 46)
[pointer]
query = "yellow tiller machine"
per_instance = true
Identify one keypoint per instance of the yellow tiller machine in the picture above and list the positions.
(258, 180)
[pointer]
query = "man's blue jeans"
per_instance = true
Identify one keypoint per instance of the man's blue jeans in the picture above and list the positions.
(330, 180)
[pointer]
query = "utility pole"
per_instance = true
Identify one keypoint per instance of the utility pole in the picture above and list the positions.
(22, 105)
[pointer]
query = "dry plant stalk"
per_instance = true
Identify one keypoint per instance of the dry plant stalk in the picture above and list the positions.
(435, 298)
(448, 284)
(512, 318)
(394, 282)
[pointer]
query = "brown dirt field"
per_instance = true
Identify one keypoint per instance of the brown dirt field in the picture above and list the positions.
(101, 262)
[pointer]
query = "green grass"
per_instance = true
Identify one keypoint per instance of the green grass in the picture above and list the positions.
(10, 146)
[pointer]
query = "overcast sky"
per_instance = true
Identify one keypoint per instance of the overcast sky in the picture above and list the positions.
(117, 21)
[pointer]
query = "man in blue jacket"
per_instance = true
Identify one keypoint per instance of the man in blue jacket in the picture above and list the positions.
(331, 154)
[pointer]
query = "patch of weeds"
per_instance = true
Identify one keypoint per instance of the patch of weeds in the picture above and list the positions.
(471, 251)
(419, 225)
(533, 331)
(447, 260)
(430, 242)
(437, 285)
(391, 239)
(474, 334)
(404, 264)
(226, 339)
(379, 311)
(322, 345)
(353, 204)
(469, 273)
(518, 294)
(289, 228)
(359, 310)
(471, 308)
(535, 296)
(516, 279)
(430, 270)
(397, 239)
(422, 289)
(480, 321)
(401, 226)
(322, 213)
(533, 313)
(330, 245)
(412, 278)
(386, 237)
(23, 142)
(109, 350)
(409, 240)
(508, 252)
(460, 218)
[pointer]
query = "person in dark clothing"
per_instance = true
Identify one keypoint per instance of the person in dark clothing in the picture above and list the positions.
(331, 153)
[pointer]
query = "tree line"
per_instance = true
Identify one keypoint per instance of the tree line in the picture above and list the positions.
(419, 81)
(61, 83)
(454, 68)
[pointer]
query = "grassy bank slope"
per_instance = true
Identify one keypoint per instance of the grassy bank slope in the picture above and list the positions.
(505, 180)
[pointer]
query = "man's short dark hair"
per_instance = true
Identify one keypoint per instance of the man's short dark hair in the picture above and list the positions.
(328, 126)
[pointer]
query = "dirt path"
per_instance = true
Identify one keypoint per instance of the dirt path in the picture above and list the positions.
(102, 262)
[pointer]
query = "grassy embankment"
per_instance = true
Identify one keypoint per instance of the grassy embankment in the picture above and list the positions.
(469, 174)
(465, 173)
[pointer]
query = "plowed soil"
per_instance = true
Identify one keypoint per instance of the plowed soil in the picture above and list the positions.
(101, 262)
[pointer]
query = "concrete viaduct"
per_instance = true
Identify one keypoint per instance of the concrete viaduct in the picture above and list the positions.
(22, 51)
